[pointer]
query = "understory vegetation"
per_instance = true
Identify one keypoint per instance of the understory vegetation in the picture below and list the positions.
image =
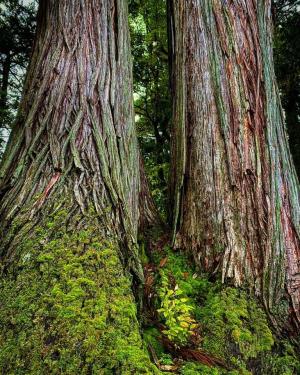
(70, 308)
(70, 303)
(199, 326)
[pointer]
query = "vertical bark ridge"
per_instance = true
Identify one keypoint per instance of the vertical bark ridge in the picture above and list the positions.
(179, 131)
(240, 201)
(69, 208)
(75, 128)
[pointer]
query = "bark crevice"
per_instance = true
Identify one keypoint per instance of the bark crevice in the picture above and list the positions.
(240, 207)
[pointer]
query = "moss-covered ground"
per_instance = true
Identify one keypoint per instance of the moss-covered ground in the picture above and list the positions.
(68, 307)
(222, 321)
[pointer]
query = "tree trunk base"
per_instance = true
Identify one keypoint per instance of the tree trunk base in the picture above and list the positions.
(67, 304)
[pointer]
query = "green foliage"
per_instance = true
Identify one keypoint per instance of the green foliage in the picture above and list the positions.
(179, 266)
(67, 306)
(148, 25)
(175, 287)
(176, 312)
(232, 325)
(17, 26)
(287, 66)
(158, 175)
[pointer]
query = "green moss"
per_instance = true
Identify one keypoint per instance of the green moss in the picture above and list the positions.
(232, 325)
(191, 368)
(67, 306)
(232, 317)
(284, 361)
(151, 337)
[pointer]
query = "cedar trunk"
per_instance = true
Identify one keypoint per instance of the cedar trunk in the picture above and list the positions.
(75, 127)
(234, 189)
(69, 193)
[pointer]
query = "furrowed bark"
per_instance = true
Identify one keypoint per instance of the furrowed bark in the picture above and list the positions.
(75, 127)
(69, 209)
(236, 194)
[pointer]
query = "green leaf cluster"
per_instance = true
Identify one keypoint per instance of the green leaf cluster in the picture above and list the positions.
(231, 322)
(176, 311)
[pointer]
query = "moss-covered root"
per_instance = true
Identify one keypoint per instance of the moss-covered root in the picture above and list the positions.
(66, 307)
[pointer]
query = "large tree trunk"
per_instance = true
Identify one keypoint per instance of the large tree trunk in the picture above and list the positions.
(234, 188)
(69, 200)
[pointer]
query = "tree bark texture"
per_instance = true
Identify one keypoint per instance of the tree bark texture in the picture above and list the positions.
(69, 191)
(75, 129)
(234, 189)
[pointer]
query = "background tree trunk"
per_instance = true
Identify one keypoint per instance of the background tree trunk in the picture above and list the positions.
(3, 99)
(233, 187)
(4, 82)
(148, 214)
(69, 200)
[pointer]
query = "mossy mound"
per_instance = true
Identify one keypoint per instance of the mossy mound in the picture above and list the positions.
(231, 324)
(67, 306)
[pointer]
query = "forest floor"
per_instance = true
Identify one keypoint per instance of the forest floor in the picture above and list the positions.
(193, 324)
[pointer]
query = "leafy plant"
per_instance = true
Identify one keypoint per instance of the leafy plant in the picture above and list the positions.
(176, 311)
(166, 359)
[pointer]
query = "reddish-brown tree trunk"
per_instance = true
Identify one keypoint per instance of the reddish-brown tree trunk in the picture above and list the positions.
(234, 189)
(75, 128)
(69, 188)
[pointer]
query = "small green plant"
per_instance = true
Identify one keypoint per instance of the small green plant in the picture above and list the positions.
(166, 360)
(176, 311)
